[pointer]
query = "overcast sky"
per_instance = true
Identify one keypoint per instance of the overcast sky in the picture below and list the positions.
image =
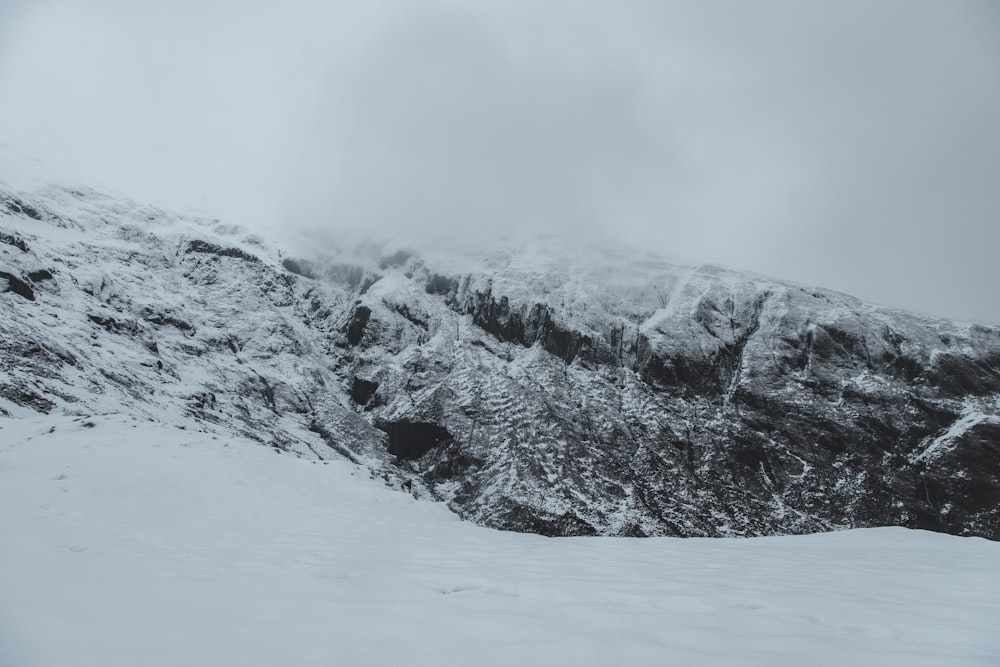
(853, 145)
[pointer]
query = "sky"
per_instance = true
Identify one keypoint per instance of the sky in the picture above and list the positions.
(853, 145)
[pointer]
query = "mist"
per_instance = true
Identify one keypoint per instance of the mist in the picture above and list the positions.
(852, 145)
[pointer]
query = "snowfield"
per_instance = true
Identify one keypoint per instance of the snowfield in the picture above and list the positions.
(132, 542)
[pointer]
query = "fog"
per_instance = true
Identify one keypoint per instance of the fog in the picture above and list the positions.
(853, 145)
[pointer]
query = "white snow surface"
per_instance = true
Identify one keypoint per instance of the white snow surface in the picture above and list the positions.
(128, 541)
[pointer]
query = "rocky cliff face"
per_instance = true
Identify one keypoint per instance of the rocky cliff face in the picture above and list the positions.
(559, 390)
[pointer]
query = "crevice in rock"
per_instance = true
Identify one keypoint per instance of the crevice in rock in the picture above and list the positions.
(412, 439)
(363, 390)
(357, 324)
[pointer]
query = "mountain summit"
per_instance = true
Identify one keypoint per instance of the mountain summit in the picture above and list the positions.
(547, 388)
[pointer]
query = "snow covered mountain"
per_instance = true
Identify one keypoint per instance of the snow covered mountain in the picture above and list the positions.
(552, 388)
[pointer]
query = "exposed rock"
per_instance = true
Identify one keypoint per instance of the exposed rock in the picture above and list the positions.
(14, 241)
(16, 285)
(115, 326)
(26, 397)
(18, 207)
(411, 440)
(40, 276)
(357, 324)
(165, 319)
(212, 249)
(363, 390)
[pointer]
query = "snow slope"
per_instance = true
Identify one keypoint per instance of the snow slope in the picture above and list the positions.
(128, 541)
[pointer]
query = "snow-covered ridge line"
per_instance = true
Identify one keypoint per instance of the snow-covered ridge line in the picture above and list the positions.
(547, 388)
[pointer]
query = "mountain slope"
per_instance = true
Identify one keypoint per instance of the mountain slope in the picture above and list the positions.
(548, 388)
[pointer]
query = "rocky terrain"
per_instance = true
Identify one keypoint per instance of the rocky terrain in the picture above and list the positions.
(554, 388)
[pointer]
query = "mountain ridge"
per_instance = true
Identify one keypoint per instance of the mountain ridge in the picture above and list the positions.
(548, 390)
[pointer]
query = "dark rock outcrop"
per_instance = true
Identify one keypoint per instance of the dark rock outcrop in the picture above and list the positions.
(363, 390)
(17, 286)
(19, 207)
(14, 241)
(212, 249)
(411, 440)
(357, 324)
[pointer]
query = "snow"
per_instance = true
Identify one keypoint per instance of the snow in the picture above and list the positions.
(972, 416)
(128, 541)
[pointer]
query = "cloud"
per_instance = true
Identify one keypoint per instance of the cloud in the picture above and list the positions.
(441, 124)
(849, 144)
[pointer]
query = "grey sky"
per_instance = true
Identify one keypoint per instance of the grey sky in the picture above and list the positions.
(854, 145)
